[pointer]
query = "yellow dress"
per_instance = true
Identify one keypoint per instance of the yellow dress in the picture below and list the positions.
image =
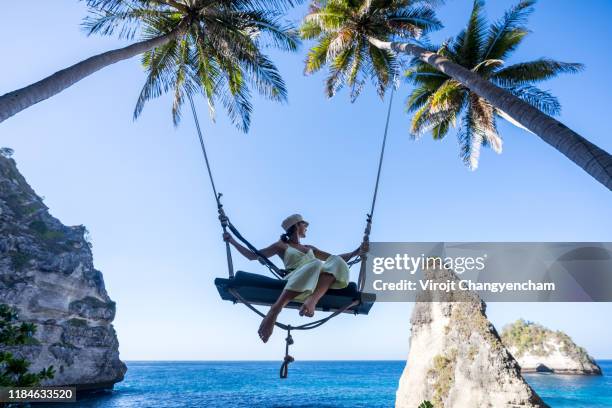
(306, 269)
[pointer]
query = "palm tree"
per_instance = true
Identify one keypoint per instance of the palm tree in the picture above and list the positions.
(344, 29)
(439, 100)
(188, 46)
(339, 26)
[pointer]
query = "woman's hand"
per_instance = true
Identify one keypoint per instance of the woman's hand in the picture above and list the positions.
(227, 237)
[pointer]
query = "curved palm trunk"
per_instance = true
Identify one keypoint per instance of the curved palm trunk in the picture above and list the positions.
(16, 101)
(594, 160)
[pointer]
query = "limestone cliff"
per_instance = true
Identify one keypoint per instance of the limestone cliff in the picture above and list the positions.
(538, 349)
(456, 357)
(47, 274)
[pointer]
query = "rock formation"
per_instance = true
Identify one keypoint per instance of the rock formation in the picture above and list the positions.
(456, 357)
(538, 349)
(47, 274)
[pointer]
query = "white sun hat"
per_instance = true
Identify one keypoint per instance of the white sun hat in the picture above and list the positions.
(292, 220)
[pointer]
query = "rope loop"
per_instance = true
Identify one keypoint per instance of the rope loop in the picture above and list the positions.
(284, 369)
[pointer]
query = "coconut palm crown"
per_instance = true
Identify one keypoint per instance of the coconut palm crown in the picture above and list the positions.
(438, 101)
(342, 30)
(215, 49)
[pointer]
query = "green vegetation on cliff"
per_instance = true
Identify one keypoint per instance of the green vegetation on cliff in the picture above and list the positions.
(535, 339)
(14, 371)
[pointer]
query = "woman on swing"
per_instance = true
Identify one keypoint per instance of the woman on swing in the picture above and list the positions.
(312, 271)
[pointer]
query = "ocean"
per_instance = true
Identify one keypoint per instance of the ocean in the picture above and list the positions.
(310, 384)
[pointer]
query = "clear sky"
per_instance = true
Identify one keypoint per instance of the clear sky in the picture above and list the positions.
(141, 190)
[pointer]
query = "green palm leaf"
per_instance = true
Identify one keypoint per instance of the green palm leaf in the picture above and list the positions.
(507, 33)
(543, 100)
(534, 71)
(469, 43)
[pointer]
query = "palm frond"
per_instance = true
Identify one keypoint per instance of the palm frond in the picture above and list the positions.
(413, 21)
(508, 32)
(341, 41)
(424, 120)
(439, 131)
(358, 60)
(534, 71)
(281, 35)
(273, 5)
(470, 140)
(182, 81)
(317, 56)
(338, 72)
(310, 30)
(124, 23)
(484, 121)
(384, 68)
(158, 64)
(327, 21)
(418, 98)
(538, 98)
(470, 42)
(114, 5)
(422, 74)
(447, 97)
(237, 103)
(486, 67)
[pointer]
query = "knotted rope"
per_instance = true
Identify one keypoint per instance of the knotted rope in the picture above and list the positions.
(284, 369)
(287, 327)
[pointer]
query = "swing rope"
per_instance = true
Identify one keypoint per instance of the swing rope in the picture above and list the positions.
(277, 272)
(366, 233)
(222, 217)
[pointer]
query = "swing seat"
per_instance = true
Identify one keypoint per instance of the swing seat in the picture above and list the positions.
(261, 290)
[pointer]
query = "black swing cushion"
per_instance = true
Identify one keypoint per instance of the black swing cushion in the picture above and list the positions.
(262, 290)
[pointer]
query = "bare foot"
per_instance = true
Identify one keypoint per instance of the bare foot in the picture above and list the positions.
(267, 325)
(308, 308)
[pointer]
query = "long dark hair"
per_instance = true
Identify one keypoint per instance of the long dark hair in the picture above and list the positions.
(287, 235)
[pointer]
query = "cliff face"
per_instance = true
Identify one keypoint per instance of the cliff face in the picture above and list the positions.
(47, 274)
(538, 349)
(456, 357)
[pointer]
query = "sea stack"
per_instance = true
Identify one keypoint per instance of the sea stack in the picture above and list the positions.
(538, 349)
(47, 275)
(456, 357)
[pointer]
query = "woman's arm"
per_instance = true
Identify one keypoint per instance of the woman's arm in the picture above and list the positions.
(247, 253)
(322, 255)
(364, 247)
(348, 255)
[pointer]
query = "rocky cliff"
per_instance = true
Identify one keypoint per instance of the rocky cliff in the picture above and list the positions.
(456, 357)
(538, 349)
(47, 274)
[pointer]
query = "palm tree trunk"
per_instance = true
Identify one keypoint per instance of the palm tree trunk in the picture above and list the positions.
(16, 101)
(594, 160)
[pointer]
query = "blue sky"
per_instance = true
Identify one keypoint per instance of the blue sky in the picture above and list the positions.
(141, 189)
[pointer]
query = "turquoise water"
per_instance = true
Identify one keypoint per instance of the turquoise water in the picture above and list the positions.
(310, 384)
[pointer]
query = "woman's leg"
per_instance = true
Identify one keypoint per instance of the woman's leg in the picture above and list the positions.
(267, 324)
(325, 281)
